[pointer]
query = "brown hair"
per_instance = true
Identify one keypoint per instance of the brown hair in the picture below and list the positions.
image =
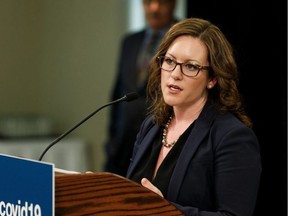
(225, 95)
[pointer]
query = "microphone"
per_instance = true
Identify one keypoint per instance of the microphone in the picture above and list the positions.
(128, 97)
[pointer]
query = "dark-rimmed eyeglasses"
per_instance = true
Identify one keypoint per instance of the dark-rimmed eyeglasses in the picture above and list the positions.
(189, 68)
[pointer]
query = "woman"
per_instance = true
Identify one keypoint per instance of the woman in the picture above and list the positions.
(197, 148)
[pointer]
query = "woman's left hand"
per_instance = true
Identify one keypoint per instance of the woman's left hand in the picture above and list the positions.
(146, 183)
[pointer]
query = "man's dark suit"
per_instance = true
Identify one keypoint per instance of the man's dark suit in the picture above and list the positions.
(125, 118)
(218, 169)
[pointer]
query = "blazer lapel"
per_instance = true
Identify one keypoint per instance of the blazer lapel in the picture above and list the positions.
(200, 130)
(142, 146)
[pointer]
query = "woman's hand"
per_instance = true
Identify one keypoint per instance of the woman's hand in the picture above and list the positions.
(146, 183)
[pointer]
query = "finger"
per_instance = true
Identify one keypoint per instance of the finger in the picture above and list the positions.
(146, 183)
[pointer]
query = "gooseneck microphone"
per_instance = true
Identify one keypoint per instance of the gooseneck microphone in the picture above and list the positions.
(128, 97)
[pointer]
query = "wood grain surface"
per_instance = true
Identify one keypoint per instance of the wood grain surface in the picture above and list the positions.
(106, 194)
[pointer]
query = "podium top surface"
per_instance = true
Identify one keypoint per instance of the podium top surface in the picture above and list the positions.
(107, 194)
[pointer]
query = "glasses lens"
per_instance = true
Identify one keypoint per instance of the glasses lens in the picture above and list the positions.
(190, 69)
(168, 64)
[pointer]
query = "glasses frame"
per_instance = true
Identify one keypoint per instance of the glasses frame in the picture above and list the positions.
(199, 67)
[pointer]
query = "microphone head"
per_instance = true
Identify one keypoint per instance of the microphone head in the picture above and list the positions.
(131, 96)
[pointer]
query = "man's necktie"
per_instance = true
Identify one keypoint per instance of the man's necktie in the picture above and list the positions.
(145, 57)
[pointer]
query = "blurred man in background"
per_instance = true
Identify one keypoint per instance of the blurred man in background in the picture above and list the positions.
(135, 54)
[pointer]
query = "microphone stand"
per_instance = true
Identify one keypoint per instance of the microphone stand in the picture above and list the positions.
(128, 97)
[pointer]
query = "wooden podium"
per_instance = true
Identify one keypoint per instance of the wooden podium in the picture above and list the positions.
(106, 194)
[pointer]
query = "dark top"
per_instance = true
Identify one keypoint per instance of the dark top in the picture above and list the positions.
(147, 164)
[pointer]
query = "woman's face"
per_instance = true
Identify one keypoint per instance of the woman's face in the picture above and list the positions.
(178, 89)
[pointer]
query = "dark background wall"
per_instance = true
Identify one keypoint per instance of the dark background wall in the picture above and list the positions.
(258, 32)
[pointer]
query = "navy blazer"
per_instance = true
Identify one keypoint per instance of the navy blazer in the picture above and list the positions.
(218, 171)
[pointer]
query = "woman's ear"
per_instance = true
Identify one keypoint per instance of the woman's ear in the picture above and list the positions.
(211, 83)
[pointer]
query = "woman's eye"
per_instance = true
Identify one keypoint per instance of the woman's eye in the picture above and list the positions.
(191, 67)
(169, 61)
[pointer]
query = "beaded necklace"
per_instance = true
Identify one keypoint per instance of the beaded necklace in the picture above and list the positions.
(165, 131)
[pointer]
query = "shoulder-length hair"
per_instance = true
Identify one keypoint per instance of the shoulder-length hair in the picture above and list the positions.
(224, 95)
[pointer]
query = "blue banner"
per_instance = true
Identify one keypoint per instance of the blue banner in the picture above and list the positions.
(26, 187)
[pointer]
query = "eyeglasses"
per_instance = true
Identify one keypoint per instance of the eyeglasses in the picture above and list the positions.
(189, 68)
